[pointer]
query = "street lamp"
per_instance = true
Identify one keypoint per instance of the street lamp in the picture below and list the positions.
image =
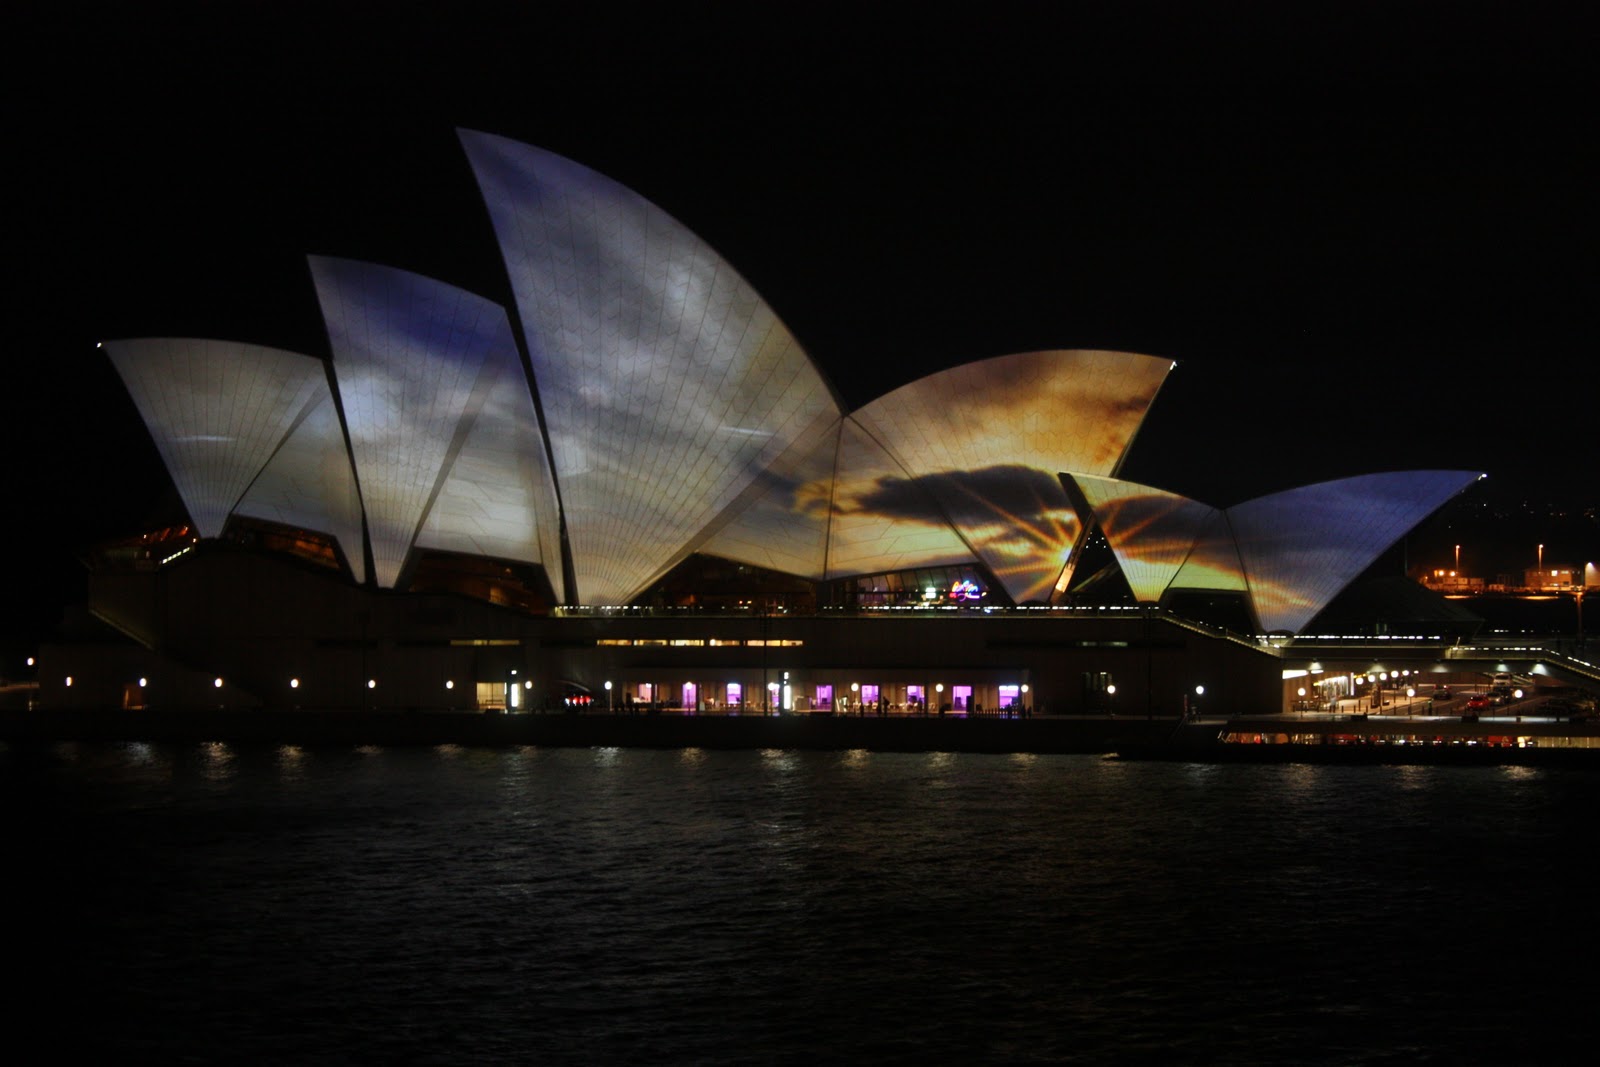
(608, 695)
(1111, 693)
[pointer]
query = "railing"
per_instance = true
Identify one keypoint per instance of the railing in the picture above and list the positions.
(1554, 657)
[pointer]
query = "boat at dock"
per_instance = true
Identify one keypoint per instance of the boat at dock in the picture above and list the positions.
(1378, 739)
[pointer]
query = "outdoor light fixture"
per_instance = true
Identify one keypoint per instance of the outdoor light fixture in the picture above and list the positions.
(216, 683)
(449, 683)
(1199, 690)
(69, 681)
(143, 682)
(372, 683)
(294, 683)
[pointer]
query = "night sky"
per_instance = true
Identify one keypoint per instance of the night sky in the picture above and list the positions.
(1368, 238)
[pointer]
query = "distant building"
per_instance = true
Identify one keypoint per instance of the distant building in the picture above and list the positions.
(1553, 579)
(1449, 581)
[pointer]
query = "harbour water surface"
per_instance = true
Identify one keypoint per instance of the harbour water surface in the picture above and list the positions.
(208, 903)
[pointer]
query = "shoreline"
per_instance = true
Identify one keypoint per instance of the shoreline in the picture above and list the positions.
(1357, 743)
(1047, 735)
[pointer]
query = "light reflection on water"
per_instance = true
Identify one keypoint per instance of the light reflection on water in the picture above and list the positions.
(616, 905)
(219, 761)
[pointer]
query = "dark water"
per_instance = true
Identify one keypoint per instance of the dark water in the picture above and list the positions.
(204, 904)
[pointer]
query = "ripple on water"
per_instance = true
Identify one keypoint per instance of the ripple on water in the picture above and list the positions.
(617, 905)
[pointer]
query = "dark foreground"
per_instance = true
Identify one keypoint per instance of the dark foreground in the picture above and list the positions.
(207, 903)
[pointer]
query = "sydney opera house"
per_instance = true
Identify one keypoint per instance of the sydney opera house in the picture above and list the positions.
(633, 487)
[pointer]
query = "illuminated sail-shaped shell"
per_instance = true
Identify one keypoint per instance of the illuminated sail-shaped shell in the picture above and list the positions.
(429, 376)
(781, 520)
(1302, 546)
(667, 384)
(308, 482)
(217, 411)
(497, 498)
(1213, 564)
(882, 518)
(989, 440)
(1151, 531)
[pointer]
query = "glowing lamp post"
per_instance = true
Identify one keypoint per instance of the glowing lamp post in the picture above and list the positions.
(608, 696)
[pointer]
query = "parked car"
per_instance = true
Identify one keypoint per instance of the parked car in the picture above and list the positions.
(1478, 702)
(1441, 692)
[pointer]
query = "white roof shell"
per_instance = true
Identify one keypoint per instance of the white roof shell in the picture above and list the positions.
(1292, 552)
(221, 411)
(667, 384)
(441, 422)
(989, 440)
